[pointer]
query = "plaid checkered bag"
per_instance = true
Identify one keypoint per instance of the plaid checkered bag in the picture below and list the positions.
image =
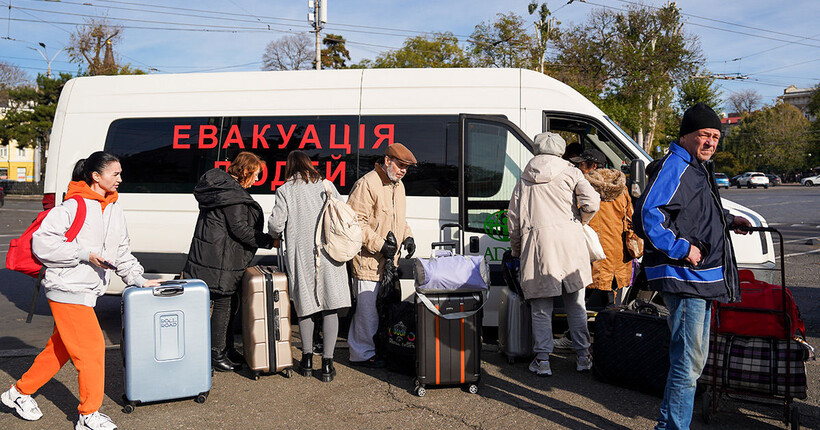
(756, 364)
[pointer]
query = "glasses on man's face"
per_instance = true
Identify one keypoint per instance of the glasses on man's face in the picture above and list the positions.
(399, 164)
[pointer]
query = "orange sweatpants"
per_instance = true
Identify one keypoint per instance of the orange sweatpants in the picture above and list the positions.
(77, 335)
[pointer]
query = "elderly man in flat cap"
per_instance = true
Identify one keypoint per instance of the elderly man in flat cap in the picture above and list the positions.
(379, 201)
(688, 256)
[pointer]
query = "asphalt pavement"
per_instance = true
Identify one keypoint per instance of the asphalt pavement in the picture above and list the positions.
(509, 396)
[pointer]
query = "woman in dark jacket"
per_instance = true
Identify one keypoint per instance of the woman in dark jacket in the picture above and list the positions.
(228, 232)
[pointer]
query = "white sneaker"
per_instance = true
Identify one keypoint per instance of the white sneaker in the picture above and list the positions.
(583, 362)
(95, 421)
(540, 367)
(25, 406)
(563, 344)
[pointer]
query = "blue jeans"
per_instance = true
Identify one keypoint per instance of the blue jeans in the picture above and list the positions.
(689, 323)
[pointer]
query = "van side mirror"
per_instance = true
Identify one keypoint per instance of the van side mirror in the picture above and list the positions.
(637, 177)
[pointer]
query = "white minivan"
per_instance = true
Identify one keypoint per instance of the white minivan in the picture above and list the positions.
(470, 130)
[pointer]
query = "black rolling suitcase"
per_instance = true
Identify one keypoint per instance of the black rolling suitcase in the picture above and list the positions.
(448, 351)
(632, 347)
(450, 293)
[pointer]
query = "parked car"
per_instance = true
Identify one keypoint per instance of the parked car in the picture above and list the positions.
(733, 180)
(810, 181)
(2, 197)
(753, 180)
(774, 180)
(722, 180)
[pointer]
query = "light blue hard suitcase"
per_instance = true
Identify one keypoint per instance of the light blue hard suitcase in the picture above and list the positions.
(166, 342)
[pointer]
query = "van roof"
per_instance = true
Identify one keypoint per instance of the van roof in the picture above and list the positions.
(400, 90)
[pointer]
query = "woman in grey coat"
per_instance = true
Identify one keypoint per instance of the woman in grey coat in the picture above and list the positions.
(298, 208)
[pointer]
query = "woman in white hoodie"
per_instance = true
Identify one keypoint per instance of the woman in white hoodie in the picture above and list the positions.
(77, 272)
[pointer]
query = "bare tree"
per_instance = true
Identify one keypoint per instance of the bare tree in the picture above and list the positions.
(11, 77)
(95, 37)
(745, 101)
(292, 52)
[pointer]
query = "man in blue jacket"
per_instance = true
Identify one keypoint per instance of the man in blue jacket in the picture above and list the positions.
(689, 256)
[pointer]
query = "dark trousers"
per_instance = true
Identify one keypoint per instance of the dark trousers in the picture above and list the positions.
(223, 320)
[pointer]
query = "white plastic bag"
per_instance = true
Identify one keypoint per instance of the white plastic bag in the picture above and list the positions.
(596, 251)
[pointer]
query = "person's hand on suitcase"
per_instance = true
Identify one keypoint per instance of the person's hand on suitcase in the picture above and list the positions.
(151, 283)
(410, 246)
(390, 246)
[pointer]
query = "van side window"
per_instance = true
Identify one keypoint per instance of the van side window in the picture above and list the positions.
(145, 147)
(493, 161)
(168, 155)
(591, 136)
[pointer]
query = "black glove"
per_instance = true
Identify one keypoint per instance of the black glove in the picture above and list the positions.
(410, 246)
(390, 246)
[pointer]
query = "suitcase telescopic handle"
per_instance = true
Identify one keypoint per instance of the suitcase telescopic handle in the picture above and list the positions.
(460, 230)
(168, 290)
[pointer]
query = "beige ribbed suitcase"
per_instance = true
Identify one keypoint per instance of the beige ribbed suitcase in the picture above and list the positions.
(266, 321)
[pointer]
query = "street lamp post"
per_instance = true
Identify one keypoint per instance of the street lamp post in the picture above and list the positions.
(45, 56)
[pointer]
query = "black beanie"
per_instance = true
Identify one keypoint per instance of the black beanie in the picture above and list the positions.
(697, 117)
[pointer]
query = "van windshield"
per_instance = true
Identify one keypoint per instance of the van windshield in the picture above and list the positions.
(628, 137)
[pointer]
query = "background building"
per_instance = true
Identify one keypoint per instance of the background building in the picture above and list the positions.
(799, 98)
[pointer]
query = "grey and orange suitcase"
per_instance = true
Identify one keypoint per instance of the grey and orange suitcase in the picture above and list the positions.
(266, 321)
(448, 351)
(166, 342)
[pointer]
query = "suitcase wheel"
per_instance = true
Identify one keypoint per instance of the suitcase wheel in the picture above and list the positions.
(472, 389)
(288, 372)
(419, 388)
(255, 376)
(201, 397)
(129, 405)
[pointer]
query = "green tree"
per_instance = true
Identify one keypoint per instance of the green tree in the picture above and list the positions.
(335, 52)
(696, 89)
(545, 29)
(773, 139)
(433, 50)
(31, 115)
(814, 128)
(633, 60)
(98, 36)
(503, 43)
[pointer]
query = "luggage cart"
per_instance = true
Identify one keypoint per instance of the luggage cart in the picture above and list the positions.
(714, 392)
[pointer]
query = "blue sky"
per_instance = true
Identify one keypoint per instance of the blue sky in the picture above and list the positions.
(775, 44)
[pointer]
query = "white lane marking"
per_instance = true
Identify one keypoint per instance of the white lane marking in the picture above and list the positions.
(779, 204)
(801, 253)
(22, 210)
(800, 240)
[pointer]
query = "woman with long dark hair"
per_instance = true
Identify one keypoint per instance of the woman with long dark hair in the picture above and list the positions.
(298, 207)
(227, 234)
(76, 274)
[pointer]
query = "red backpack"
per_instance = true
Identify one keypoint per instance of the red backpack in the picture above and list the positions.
(20, 258)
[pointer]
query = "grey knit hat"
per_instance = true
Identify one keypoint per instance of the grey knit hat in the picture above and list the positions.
(549, 143)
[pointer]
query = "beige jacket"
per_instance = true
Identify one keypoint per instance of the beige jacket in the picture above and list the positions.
(609, 224)
(547, 208)
(380, 206)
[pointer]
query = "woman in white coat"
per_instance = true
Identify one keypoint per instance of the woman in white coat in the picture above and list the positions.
(77, 273)
(548, 207)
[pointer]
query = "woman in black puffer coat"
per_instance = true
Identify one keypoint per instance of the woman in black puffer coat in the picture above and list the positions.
(228, 232)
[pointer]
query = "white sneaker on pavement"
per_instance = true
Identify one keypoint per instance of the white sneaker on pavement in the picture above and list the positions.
(583, 362)
(95, 421)
(540, 367)
(563, 344)
(23, 404)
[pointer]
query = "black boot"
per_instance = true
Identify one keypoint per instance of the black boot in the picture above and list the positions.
(220, 362)
(236, 357)
(306, 365)
(328, 371)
